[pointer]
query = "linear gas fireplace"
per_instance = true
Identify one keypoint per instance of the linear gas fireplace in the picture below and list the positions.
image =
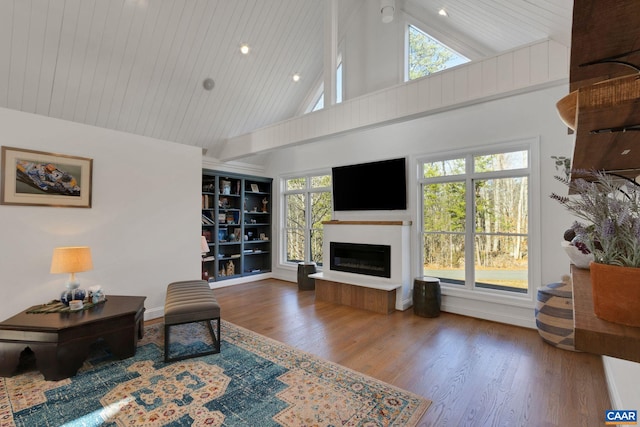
(359, 258)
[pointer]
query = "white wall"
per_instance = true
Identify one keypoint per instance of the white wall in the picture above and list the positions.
(143, 227)
(510, 119)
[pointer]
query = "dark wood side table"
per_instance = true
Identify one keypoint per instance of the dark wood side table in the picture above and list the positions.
(61, 341)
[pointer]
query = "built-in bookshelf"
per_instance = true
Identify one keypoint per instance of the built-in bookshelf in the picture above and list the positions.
(236, 222)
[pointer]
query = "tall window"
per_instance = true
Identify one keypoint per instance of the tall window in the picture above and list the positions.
(318, 103)
(307, 201)
(426, 55)
(475, 222)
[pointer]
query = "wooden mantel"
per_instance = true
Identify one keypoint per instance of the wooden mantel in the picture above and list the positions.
(338, 222)
(595, 335)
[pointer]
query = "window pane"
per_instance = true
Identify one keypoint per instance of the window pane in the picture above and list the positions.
(444, 206)
(316, 246)
(444, 256)
(427, 55)
(501, 161)
(296, 183)
(295, 211)
(322, 181)
(320, 211)
(501, 262)
(444, 168)
(295, 245)
(501, 205)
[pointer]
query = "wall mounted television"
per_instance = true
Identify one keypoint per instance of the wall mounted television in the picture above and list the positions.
(373, 186)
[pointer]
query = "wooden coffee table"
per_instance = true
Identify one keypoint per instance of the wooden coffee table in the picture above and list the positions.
(61, 341)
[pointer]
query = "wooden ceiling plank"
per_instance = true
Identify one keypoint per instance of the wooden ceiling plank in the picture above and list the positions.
(158, 111)
(6, 29)
(64, 57)
(37, 35)
(19, 51)
(137, 14)
(77, 71)
(138, 75)
(94, 64)
(169, 20)
(193, 75)
(214, 63)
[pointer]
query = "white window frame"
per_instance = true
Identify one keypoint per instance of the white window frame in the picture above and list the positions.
(308, 190)
(468, 290)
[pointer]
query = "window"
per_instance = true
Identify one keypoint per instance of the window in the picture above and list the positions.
(307, 203)
(426, 55)
(475, 220)
(318, 103)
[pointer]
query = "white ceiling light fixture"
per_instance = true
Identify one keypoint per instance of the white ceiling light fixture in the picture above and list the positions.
(443, 12)
(387, 9)
(244, 49)
(296, 77)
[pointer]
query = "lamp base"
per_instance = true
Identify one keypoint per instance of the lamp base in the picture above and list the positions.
(71, 294)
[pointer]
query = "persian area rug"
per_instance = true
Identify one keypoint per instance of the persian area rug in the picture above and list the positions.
(253, 381)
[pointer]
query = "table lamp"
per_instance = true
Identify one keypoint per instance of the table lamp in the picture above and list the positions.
(204, 245)
(71, 259)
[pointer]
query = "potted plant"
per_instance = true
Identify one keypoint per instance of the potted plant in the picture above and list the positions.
(609, 205)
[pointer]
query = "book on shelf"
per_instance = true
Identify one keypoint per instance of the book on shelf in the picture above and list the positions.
(206, 220)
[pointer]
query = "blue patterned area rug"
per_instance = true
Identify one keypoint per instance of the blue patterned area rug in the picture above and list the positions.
(254, 381)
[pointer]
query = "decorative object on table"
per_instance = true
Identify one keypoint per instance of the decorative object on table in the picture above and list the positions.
(610, 205)
(75, 305)
(32, 177)
(226, 187)
(294, 387)
(72, 260)
(95, 294)
(578, 258)
(554, 314)
(231, 268)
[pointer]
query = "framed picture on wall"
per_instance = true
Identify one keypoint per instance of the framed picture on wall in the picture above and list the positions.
(32, 177)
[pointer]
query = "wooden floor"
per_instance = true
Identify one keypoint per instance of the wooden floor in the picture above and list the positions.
(476, 372)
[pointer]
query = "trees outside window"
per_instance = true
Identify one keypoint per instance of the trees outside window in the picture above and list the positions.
(307, 203)
(475, 220)
(426, 55)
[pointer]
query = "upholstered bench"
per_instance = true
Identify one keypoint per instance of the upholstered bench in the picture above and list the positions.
(187, 302)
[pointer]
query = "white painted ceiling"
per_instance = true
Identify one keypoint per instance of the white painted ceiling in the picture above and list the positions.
(138, 65)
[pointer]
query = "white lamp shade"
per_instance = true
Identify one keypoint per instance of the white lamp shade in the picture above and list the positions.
(71, 259)
(204, 246)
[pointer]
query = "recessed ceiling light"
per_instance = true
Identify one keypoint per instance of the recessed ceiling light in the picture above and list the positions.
(244, 49)
(443, 12)
(296, 77)
(208, 83)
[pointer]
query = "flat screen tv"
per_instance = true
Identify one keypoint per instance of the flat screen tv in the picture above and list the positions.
(374, 186)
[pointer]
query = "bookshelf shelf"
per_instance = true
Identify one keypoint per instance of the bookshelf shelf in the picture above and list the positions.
(236, 220)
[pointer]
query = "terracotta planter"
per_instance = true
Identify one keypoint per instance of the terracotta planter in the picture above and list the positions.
(616, 293)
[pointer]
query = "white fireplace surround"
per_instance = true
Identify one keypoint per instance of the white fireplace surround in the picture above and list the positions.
(393, 233)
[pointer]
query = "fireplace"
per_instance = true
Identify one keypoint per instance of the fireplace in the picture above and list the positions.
(360, 258)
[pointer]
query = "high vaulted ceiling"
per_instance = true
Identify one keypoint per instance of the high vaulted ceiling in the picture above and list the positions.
(138, 65)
